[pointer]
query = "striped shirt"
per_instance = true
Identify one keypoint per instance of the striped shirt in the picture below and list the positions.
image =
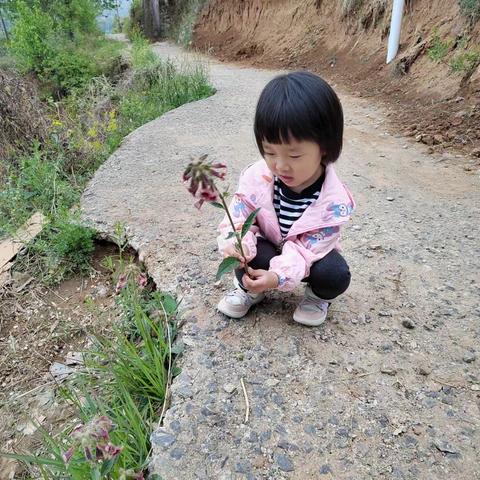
(290, 205)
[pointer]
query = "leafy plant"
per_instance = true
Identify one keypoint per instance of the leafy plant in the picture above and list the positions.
(438, 48)
(465, 62)
(470, 8)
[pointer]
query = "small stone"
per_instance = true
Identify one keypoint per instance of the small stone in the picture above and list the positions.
(388, 370)
(310, 429)
(475, 388)
(325, 469)
(272, 382)
(177, 453)
(469, 357)
(417, 430)
(242, 466)
(444, 446)
(278, 399)
(408, 323)
(229, 387)
(284, 463)
(163, 439)
(424, 370)
(390, 199)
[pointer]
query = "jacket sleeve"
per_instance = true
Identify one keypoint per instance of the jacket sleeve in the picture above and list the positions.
(293, 264)
(239, 210)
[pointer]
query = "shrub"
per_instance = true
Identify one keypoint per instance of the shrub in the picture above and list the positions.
(32, 38)
(470, 8)
(64, 248)
(438, 48)
(465, 62)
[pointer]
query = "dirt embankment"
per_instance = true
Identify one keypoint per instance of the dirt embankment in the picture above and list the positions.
(432, 87)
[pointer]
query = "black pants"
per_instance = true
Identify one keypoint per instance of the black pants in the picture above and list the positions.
(329, 277)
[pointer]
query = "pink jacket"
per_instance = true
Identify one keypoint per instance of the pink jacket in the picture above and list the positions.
(310, 238)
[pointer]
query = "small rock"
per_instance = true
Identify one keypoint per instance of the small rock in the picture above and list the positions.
(278, 399)
(101, 291)
(475, 388)
(325, 469)
(284, 463)
(444, 446)
(384, 313)
(388, 370)
(390, 199)
(229, 387)
(177, 453)
(356, 227)
(163, 439)
(408, 323)
(272, 382)
(469, 357)
(242, 466)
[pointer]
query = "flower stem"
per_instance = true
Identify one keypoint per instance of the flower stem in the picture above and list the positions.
(237, 235)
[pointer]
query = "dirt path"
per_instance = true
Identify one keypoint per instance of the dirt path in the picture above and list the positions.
(362, 397)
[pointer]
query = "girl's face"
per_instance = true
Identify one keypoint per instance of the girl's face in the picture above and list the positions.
(298, 164)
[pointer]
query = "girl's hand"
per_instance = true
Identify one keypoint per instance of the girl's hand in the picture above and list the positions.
(231, 251)
(261, 280)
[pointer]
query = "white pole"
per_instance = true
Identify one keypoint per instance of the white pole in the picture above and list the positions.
(395, 29)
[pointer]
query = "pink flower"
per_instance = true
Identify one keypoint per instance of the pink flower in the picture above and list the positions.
(199, 180)
(68, 454)
(122, 281)
(107, 451)
(142, 280)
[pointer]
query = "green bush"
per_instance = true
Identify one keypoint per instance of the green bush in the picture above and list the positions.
(465, 62)
(64, 248)
(32, 38)
(69, 69)
(470, 8)
(438, 48)
(38, 184)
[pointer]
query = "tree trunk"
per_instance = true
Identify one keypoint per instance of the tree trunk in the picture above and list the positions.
(154, 18)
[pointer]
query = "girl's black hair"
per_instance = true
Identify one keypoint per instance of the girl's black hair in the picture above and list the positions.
(302, 105)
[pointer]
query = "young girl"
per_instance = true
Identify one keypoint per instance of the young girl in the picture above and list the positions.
(298, 128)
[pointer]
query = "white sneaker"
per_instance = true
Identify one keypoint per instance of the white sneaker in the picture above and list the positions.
(237, 303)
(312, 310)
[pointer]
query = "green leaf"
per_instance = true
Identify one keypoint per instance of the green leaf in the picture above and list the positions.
(249, 221)
(230, 235)
(228, 264)
(216, 204)
(95, 474)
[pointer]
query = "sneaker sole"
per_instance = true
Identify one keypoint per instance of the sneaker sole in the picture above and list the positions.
(224, 308)
(308, 323)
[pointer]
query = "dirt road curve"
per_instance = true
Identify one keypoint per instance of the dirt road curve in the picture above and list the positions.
(389, 387)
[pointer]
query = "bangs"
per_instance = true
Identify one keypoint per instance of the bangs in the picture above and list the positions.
(303, 106)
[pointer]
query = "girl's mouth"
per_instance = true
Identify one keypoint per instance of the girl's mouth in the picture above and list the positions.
(285, 179)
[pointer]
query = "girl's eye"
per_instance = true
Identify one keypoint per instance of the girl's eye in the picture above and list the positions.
(295, 156)
(267, 153)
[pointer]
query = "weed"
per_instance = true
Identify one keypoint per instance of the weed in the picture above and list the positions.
(121, 390)
(470, 8)
(438, 49)
(465, 62)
